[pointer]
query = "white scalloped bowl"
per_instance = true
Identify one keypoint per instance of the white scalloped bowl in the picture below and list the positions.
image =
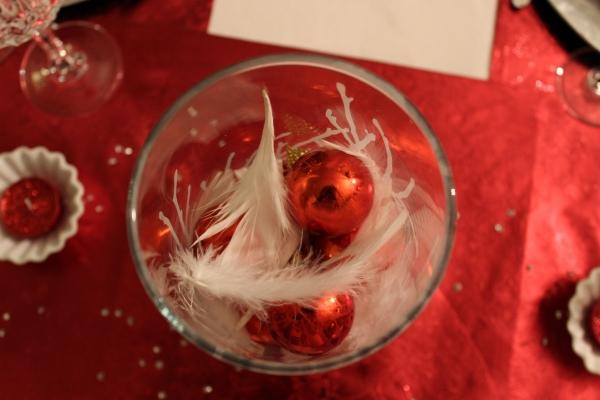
(586, 293)
(52, 167)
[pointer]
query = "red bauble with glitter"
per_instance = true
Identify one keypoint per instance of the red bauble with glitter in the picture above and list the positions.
(315, 330)
(30, 208)
(218, 241)
(259, 331)
(330, 192)
(594, 321)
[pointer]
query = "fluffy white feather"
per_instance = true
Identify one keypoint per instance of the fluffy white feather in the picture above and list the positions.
(265, 234)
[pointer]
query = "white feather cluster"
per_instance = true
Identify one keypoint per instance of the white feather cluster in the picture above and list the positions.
(260, 266)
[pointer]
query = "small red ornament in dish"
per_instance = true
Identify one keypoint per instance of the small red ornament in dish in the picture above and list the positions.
(30, 208)
(41, 200)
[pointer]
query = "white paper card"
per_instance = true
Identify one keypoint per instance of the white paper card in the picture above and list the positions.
(449, 36)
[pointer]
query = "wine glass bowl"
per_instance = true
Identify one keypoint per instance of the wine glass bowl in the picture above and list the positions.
(83, 83)
(218, 123)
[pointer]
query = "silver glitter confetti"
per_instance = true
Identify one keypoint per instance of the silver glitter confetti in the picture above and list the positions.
(558, 314)
(6, 316)
(41, 310)
(213, 122)
(453, 192)
(112, 161)
(192, 112)
(2, 333)
(128, 151)
(104, 312)
(498, 228)
(207, 389)
(118, 313)
(161, 395)
(457, 287)
(142, 363)
(183, 343)
(159, 364)
(156, 349)
(118, 149)
(193, 132)
(99, 209)
(544, 87)
(100, 376)
(544, 341)
(511, 212)
(221, 143)
(90, 197)
(130, 321)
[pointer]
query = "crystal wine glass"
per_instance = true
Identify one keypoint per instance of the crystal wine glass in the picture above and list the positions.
(579, 85)
(69, 69)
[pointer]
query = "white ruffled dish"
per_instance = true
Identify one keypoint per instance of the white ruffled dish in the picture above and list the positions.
(587, 292)
(52, 167)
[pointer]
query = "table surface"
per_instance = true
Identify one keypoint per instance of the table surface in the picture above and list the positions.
(494, 329)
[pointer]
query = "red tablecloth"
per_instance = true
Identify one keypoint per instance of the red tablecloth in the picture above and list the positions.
(492, 329)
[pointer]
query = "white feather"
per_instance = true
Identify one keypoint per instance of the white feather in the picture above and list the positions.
(265, 234)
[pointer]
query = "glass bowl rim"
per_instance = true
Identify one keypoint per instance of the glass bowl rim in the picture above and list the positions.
(317, 61)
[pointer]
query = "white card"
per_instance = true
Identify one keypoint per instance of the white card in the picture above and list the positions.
(448, 36)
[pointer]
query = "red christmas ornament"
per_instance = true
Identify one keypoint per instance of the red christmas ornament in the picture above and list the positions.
(330, 192)
(30, 208)
(594, 321)
(325, 247)
(218, 241)
(259, 330)
(314, 330)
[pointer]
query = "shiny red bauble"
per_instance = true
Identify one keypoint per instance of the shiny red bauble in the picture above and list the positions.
(325, 247)
(30, 208)
(594, 321)
(218, 241)
(259, 331)
(330, 192)
(314, 330)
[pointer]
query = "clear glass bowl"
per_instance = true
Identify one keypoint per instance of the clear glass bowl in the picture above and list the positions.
(224, 114)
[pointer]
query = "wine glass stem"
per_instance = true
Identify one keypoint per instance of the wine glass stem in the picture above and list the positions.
(64, 63)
